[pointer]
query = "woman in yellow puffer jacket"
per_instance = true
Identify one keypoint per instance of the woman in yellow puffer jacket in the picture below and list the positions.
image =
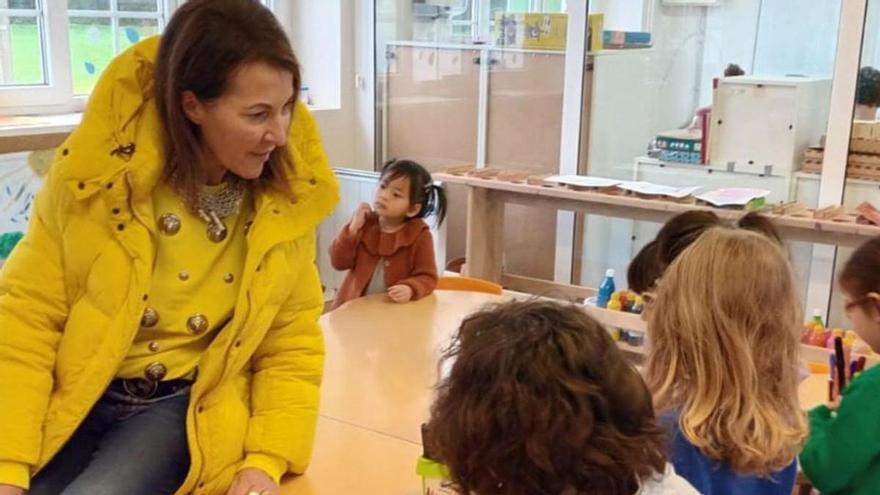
(158, 322)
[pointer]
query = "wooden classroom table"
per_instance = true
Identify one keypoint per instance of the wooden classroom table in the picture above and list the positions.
(380, 370)
(379, 374)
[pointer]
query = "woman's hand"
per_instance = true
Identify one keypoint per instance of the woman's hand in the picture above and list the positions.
(252, 481)
(400, 293)
(11, 490)
(359, 218)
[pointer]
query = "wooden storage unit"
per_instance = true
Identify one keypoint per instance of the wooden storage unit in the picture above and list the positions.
(431, 113)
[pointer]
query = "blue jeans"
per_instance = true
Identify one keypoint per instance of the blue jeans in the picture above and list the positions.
(126, 445)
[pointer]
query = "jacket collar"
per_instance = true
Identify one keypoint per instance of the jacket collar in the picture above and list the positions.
(380, 243)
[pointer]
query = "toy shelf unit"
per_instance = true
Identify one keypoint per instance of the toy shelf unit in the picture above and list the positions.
(762, 125)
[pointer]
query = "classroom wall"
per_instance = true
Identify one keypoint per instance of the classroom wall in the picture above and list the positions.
(333, 40)
(747, 32)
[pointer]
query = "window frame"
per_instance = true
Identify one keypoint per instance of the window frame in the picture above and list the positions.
(58, 82)
(57, 94)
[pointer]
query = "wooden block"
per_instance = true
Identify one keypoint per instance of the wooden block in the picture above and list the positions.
(517, 176)
(829, 212)
(790, 208)
(862, 129)
(485, 173)
(868, 146)
(875, 130)
(613, 191)
(868, 212)
(863, 159)
(459, 169)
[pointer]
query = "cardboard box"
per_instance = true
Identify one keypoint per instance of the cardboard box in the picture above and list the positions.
(626, 39)
(535, 30)
(594, 33)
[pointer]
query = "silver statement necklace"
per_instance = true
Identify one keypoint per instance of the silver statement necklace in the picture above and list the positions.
(216, 203)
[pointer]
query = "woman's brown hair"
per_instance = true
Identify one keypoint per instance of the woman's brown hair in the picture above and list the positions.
(205, 42)
(540, 400)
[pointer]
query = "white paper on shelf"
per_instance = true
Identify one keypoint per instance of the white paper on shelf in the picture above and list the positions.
(651, 189)
(583, 181)
(732, 196)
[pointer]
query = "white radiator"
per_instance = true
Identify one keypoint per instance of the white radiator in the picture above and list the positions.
(357, 186)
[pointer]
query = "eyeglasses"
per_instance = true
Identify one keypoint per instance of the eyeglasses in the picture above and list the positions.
(857, 302)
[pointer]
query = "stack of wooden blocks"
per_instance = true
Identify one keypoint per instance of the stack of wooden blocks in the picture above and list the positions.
(864, 153)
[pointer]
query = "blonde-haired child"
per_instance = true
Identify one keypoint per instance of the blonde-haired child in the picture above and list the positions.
(723, 364)
(842, 454)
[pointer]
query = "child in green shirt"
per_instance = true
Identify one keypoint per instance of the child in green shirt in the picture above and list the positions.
(842, 454)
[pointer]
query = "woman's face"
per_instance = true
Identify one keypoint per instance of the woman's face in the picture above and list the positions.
(241, 128)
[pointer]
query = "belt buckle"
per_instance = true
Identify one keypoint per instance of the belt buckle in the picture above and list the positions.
(140, 388)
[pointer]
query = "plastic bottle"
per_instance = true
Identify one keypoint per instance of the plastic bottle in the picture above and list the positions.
(818, 337)
(605, 289)
(807, 333)
(829, 341)
(817, 317)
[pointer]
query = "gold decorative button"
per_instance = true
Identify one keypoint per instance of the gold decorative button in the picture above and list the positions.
(197, 323)
(150, 317)
(169, 224)
(183, 275)
(153, 346)
(229, 278)
(216, 233)
(155, 371)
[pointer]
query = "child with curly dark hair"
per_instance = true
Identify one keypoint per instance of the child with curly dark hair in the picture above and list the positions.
(539, 400)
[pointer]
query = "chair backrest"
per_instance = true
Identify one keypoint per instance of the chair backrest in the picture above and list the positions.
(469, 284)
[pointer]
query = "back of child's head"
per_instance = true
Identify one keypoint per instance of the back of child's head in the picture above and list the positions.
(676, 235)
(861, 272)
(540, 400)
(422, 189)
(643, 270)
(724, 349)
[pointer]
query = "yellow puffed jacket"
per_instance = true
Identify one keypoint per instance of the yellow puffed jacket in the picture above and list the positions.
(73, 291)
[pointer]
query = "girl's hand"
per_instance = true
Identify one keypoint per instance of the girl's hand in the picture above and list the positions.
(400, 293)
(11, 490)
(252, 481)
(359, 218)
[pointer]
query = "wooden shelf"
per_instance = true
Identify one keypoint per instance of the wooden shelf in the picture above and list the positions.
(843, 231)
(28, 133)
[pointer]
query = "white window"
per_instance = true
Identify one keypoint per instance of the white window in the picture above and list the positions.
(53, 51)
(99, 29)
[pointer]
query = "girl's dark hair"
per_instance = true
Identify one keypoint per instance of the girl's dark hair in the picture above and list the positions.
(205, 42)
(676, 235)
(868, 87)
(422, 189)
(641, 275)
(539, 399)
(861, 272)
